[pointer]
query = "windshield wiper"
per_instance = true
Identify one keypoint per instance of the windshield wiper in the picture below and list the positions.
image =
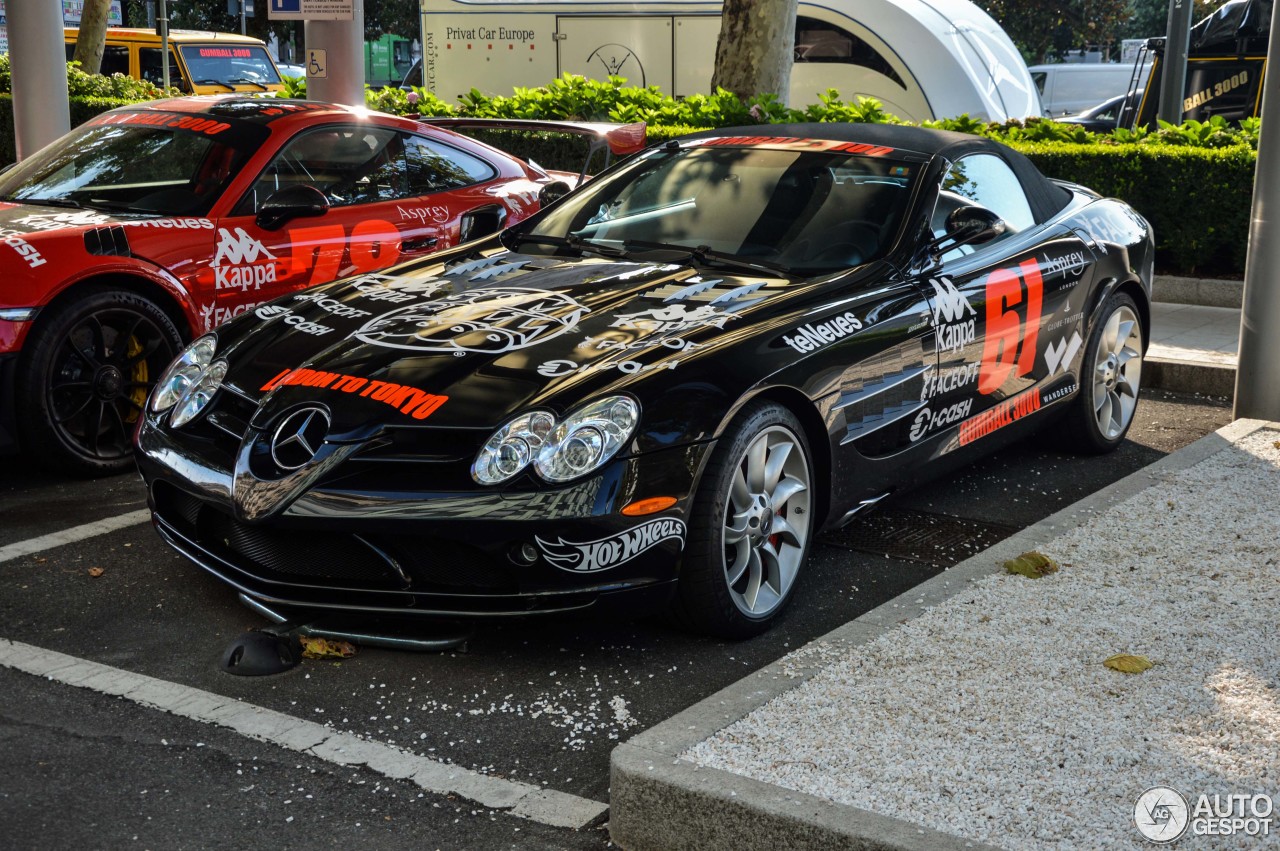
(46, 202)
(209, 81)
(246, 81)
(576, 243)
(704, 255)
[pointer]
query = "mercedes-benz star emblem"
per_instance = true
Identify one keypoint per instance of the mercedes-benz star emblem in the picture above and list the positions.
(298, 437)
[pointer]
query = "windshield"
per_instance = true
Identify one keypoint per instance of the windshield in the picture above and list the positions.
(135, 168)
(241, 64)
(808, 211)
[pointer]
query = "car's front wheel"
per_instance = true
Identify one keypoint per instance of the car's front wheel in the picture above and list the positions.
(750, 527)
(87, 368)
(1111, 378)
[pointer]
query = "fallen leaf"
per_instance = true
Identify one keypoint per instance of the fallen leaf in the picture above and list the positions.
(1032, 565)
(985, 619)
(323, 648)
(1126, 663)
(95, 572)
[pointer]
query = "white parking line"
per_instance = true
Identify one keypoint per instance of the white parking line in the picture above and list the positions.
(545, 806)
(70, 536)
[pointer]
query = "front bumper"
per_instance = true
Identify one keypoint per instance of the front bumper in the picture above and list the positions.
(8, 403)
(339, 544)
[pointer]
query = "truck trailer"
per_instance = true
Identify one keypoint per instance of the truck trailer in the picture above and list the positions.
(922, 60)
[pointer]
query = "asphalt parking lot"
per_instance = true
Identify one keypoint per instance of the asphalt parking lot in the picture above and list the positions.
(539, 703)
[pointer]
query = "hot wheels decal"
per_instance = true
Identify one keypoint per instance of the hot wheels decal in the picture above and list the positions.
(606, 553)
(1009, 347)
(486, 319)
(407, 400)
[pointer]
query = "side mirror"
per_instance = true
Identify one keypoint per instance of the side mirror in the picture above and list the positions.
(553, 192)
(974, 225)
(294, 202)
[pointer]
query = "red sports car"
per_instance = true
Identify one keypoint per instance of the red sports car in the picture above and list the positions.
(152, 223)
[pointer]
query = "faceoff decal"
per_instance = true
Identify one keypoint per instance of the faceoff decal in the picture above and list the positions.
(557, 368)
(212, 316)
(604, 553)
(947, 379)
(407, 400)
(486, 319)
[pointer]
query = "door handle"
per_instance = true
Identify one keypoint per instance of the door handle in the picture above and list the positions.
(420, 244)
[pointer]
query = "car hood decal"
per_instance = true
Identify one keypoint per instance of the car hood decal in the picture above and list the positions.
(474, 341)
(29, 219)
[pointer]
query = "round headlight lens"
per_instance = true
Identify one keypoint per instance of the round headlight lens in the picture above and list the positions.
(587, 438)
(512, 447)
(183, 373)
(198, 395)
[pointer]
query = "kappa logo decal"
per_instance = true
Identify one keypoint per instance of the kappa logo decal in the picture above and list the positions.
(239, 247)
(954, 317)
(606, 553)
(236, 262)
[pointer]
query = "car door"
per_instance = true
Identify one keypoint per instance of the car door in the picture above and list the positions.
(385, 190)
(998, 309)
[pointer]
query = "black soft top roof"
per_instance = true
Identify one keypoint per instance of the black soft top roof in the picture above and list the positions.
(1045, 196)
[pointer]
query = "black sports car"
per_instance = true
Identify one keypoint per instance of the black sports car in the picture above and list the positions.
(661, 387)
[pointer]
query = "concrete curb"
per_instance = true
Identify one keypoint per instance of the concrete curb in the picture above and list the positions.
(1207, 292)
(1207, 379)
(660, 801)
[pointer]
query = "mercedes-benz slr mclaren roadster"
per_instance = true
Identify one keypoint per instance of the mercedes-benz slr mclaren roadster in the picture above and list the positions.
(658, 390)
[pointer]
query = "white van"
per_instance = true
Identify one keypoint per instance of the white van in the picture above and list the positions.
(934, 59)
(1066, 89)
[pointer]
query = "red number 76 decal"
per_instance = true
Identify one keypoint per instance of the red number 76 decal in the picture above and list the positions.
(1009, 346)
(374, 245)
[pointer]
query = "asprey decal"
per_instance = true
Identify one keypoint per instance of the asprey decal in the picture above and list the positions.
(1070, 265)
(1003, 414)
(407, 400)
(814, 335)
(436, 214)
(486, 319)
(953, 316)
(604, 553)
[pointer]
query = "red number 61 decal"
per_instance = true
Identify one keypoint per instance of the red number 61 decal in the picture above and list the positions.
(1010, 342)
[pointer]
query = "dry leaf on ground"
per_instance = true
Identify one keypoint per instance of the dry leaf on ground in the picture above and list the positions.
(1127, 663)
(1032, 565)
(95, 572)
(323, 648)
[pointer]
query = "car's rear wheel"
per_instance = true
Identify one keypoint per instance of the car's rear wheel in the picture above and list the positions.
(87, 368)
(1111, 378)
(750, 527)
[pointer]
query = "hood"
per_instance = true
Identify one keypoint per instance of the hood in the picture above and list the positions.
(37, 218)
(474, 342)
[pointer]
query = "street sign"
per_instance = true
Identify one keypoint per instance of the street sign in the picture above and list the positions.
(311, 10)
(317, 64)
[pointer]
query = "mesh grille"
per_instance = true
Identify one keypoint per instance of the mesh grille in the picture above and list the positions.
(447, 565)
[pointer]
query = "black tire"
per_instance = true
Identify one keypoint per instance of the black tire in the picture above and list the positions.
(1099, 419)
(84, 377)
(706, 600)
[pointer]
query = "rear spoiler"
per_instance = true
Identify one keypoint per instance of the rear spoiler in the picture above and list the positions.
(619, 139)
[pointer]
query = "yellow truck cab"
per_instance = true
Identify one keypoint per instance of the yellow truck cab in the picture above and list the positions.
(202, 63)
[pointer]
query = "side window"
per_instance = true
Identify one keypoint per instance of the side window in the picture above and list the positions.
(149, 67)
(350, 165)
(115, 58)
(983, 180)
(434, 167)
(819, 41)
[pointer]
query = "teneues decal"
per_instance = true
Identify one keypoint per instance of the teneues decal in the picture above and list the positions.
(487, 319)
(407, 400)
(604, 553)
(808, 337)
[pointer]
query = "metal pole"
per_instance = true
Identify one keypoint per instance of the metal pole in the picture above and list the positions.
(1258, 370)
(38, 69)
(243, 3)
(342, 78)
(163, 22)
(1173, 79)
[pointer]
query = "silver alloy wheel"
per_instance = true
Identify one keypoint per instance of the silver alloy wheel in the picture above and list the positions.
(1117, 372)
(767, 521)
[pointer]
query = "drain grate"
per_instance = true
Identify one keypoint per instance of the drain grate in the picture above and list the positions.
(919, 536)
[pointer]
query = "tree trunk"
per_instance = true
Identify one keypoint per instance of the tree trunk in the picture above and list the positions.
(754, 53)
(93, 35)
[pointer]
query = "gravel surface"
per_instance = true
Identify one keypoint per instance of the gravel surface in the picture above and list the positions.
(992, 716)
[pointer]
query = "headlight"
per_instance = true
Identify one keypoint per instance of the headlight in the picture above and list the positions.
(512, 447)
(198, 395)
(583, 442)
(183, 373)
